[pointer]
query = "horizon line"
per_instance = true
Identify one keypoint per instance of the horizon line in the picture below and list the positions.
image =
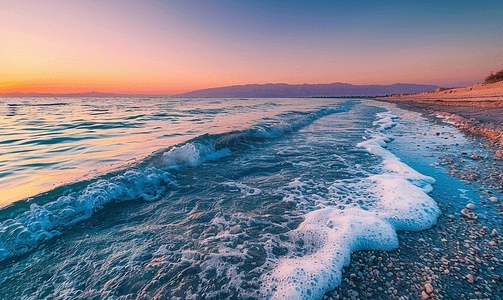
(142, 94)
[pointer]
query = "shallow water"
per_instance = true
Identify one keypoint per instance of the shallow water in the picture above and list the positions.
(241, 199)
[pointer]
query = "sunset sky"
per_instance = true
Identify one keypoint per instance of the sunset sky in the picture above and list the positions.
(169, 47)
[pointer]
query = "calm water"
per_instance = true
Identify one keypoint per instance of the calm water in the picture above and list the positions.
(205, 198)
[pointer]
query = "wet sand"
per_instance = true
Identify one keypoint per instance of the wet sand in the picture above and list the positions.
(462, 256)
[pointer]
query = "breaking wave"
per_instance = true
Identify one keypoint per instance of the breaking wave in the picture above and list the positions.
(24, 229)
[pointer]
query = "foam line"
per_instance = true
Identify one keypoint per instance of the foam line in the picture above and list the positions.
(394, 200)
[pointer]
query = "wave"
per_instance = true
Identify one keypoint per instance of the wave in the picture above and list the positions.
(383, 204)
(31, 228)
(25, 229)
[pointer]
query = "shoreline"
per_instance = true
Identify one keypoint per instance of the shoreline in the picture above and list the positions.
(480, 120)
(460, 257)
(475, 109)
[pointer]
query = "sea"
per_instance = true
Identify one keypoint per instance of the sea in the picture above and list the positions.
(209, 198)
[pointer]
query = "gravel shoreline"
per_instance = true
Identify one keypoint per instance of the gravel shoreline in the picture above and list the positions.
(484, 121)
(456, 259)
(459, 258)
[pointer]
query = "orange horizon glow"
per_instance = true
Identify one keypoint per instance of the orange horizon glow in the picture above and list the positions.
(165, 48)
(157, 87)
(152, 84)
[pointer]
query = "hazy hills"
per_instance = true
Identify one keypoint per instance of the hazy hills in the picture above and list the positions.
(272, 90)
(278, 90)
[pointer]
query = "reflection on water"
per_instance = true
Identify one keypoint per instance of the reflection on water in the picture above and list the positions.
(48, 142)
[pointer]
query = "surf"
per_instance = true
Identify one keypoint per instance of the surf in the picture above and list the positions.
(24, 229)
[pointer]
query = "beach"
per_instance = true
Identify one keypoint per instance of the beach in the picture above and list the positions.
(461, 257)
(241, 150)
(477, 109)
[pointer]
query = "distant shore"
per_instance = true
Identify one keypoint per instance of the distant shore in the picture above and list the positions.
(482, 95)
(476, 109)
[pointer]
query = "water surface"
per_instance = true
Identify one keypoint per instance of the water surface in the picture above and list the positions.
(206, 198)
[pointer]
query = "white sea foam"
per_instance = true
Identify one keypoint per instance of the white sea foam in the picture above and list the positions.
(381, 204)
(192, 154)
(391, 164)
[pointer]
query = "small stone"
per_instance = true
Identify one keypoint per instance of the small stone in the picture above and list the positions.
(494, 233)
(475, 157)
(469, 277)
(492, 243)
(470, 206)
(429, 288)
(492, 199)
(469, 214)
(425, 296)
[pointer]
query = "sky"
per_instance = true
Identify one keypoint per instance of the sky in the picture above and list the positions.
(170, 47)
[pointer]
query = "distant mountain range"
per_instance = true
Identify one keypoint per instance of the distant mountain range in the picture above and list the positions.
(273, 90)
(280, 90)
